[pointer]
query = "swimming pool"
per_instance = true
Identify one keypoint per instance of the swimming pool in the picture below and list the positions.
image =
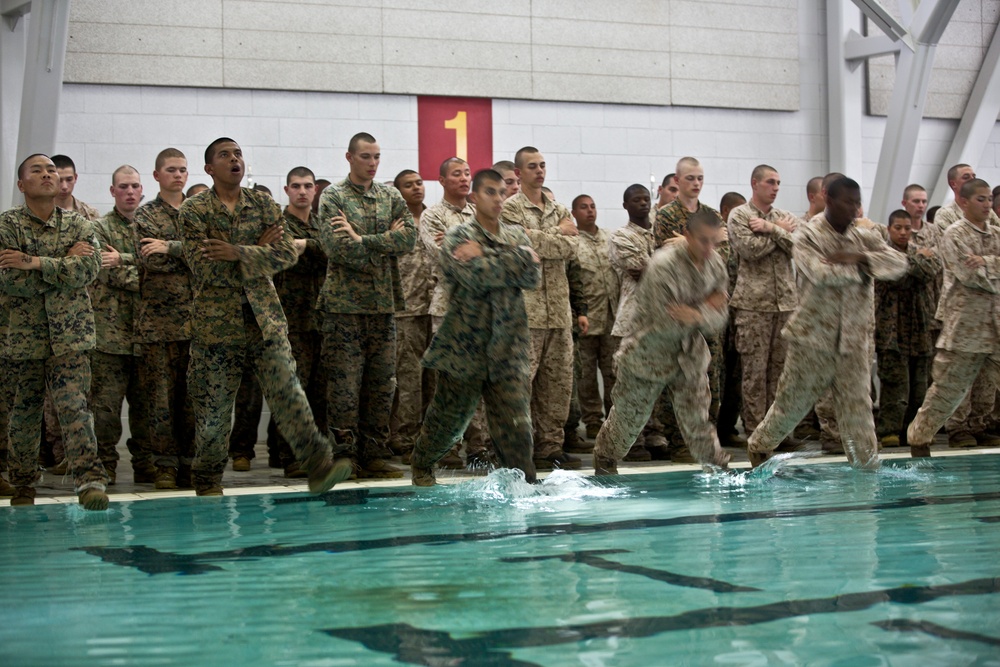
(790, 565)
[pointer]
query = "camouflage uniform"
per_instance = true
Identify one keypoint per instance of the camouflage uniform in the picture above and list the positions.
(731, 390)
(597, 348)
(828, 337)
(549, 319)
(237, 322)
(362, 291)
(163, 328)
(247, 412)
(950, 213)
(436, 220)
(904, 342)
(970, 338)
(48, 327)
(114, 363)
(298, 288)
(482, 348)
(660, 353)
(763, 299)
(578, 307)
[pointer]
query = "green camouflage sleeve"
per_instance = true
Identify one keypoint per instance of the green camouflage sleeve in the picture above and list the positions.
(14, 282)
(169, 262)
(577, 299)
(73, 272)
(257, 261)
(394, 242)
(503, 266)
(195, 231)
(126, 276)
(338, 246)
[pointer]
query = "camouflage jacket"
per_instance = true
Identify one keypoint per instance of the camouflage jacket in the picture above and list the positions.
(47, 312)
(671, 220)
(416, 269)
(438, 219)
(766, 281)
(221, 288)
(548, 305)
(85, 209)
(837, 300)
(904, 308)
(629, 248)
(485, 331)
(600, 281)
(115, 293)
(363, 278)
(165, 296)
(970, 304)
(657, 346)
(299, 285)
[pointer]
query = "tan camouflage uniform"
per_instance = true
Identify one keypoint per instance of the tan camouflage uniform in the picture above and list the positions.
(970, 338)
(828, 337)
(237, 322)
(904, 341)
(163, 328)
(549, 319)
(482, 349)
(763, 299)
(950, 213)
(660, 353)
(362, 292)
(114, 362)
(597, 348)
(48, 327)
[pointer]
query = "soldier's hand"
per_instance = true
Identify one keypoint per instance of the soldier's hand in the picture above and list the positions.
(340, 224)
(567, 228)
(149, 247)
(974, 261)
(110, 258)
(846, 257)
(671, 240)
(531, 251)
(15, 259)
(635, 274)
(467, 250)
(760, 226)
(684, 314)
(717, 300)
(439, 238)
(397, 225)
(271, 235)
(300, 246)
(584, 324)
(788, 223)
(219, 251)
(925, 252)
(80, 249)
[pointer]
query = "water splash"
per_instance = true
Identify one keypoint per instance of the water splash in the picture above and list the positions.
(759, 476)
(506, 486)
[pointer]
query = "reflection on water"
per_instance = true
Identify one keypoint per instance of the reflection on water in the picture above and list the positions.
(792, 563)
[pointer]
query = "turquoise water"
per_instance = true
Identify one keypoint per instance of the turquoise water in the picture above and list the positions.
(790, 565)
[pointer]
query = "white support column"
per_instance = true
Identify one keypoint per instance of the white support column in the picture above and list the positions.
(977, 123)
(845, 99)
(13, 31)
(906, 106)
(48, 32)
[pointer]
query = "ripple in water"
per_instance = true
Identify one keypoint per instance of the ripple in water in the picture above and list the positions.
(506, 486)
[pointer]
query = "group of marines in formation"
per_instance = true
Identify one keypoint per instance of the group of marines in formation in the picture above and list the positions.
(376, 326)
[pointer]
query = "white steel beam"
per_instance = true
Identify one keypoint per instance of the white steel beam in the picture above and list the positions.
(977, 122)
(48, 32)
(845, 99)
(857, 49)
(12, 45)
(906, 106)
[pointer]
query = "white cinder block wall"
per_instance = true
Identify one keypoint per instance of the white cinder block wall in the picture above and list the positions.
(595, 148)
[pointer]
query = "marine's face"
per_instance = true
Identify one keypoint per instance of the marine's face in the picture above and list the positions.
(457, 179)
(977, 207)
(227, 164)
(489, 198)
(900, 232)
(766, 188)
(39, 178)
(637, 205)
(511, 181)
(690, 181)
(127, 192)
(67, 181)
(533, 169)
(585, 211)
(411, 187)
(300, 191)
(173, 175)
(701, 241)
(364, 161)
(915, 204)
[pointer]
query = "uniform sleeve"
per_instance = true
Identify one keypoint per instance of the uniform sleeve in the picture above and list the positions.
(194, 231)
(503, 266)
(393, 242)
(431, 224)
(338, 247)
(812, 264)
(954, 250)
(124, 277)
(923, 269)
(169, 262)
(750, 245)
(884, 263)
(258, 261)
(548, 243)
(73, 272)
(625, 255)
(577, 298)
(12, 281)
(664, 228)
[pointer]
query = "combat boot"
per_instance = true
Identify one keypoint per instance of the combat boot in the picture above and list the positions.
(325, 472)
(422, 477)
(604, 466)
(23, 495)
(166, 478)
(377, 469)
(574, 445)
(6, 488)
(757, 459)
(94, 500)
(452, 460)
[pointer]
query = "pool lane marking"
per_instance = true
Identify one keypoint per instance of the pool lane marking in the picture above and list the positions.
(154, 561)
(935, 630)
(491, 648)
(593, 559)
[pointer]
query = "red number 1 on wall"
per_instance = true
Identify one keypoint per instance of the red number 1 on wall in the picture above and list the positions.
(454, 127)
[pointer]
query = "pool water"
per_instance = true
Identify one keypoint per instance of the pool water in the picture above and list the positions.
(789, 565)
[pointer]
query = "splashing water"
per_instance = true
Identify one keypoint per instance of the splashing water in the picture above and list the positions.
(506, 486)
